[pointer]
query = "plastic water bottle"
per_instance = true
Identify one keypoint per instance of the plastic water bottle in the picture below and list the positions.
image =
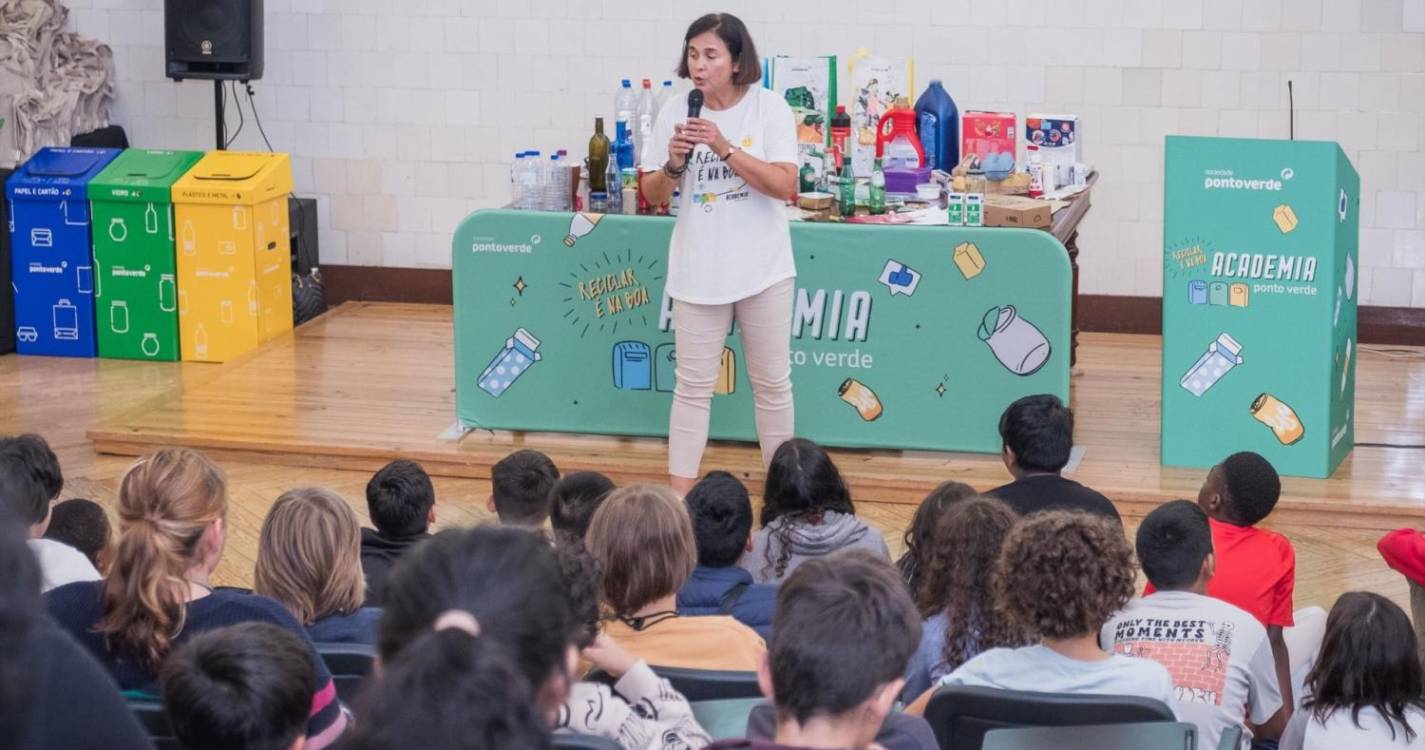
(664, 94)
(517, 181)
(534, 171)
(625, 110)
(556, 188)
(647, 110)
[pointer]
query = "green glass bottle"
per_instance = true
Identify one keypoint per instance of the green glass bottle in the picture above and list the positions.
(878, 188)
(808, 177)
(598, 158)
(848, 190)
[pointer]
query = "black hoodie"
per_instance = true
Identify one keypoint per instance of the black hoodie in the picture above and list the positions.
(378, 553)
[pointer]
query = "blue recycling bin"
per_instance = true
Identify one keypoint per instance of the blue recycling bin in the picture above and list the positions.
(51, 250)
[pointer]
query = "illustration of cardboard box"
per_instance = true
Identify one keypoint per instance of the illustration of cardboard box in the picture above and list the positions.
(234, 253)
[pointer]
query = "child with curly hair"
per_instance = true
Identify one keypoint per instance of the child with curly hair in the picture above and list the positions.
(1061, 576)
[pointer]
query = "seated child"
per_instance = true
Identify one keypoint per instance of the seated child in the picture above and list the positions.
(519, 488)
(83, 525)
(573, 501)
(401, 502)
(722, 527)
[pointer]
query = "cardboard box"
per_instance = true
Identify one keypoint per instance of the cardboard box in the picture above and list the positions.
(1057, 137)
(990, 136)
(1017, 211)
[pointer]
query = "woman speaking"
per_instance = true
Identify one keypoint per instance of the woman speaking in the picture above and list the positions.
(731, 253)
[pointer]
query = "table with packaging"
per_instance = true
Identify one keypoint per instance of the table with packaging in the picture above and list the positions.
(903, 337)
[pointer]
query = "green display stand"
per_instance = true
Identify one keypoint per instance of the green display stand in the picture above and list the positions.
(136, 296)
(1260, 275)
(902, 337)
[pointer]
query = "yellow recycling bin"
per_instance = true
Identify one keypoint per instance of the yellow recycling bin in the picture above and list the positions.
(234, 253)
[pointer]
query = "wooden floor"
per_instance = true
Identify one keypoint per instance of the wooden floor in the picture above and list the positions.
(339, 397)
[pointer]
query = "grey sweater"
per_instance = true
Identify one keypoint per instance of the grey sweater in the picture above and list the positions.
(837, 531)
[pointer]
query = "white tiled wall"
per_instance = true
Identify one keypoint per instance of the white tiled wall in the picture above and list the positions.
(402, 116)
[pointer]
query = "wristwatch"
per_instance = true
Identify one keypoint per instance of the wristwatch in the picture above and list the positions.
(731, 149)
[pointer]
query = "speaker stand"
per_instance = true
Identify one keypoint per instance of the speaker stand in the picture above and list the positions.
(219, 117)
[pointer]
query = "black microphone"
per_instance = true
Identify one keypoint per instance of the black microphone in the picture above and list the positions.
(695, 103)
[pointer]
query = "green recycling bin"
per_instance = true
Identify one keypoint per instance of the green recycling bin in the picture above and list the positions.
(135, 291)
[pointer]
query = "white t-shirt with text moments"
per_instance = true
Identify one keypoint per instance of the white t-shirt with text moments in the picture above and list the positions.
(1217, 653)
(730, 241)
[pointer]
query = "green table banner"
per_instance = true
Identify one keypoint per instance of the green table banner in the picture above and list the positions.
(902, 336)
(1260, 273)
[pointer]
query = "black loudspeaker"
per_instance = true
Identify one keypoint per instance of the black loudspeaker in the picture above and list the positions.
(218, 40)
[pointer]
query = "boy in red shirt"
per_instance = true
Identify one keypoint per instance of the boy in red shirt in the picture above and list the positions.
(1256, 568)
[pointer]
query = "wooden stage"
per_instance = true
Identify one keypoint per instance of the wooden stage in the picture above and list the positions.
(368, 382)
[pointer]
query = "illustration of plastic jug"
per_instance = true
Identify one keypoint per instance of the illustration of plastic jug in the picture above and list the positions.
(150, 219)
(1197, 292)
(226, 309)
(1217, 293)
(200, 341)
(1271, 412)
(149, 344)
(239, 217)
(633, 367)
(66, 321)
(520, 352)
(119, 316)
(182, 302)
(190, 238)
(862, 398)
(1221, 356)
(84, 279)
(665, 367)
(1018, 344)
(166, 288)
(118, 230)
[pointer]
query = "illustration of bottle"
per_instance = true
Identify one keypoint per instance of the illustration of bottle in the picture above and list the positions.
(861, 397)
(252, 298)
(520, 353)
(118, 230)
(119, 316)
(1270, 411)
(190, 238)
(226, 309)
(200, 341)
(239, 218)
(150, 219)
(66, 321)
(580, 226)
(165, 292)
(1018, 344)
(182, 302)
(170, 223)
(149, 345)
(1221, 356)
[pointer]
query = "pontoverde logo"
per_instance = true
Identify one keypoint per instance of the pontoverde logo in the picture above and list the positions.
(1225, 179)
(489, 245)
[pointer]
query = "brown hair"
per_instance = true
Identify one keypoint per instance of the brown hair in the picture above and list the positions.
(958, 579)
(642, 538)
(920, 535)
(309, 555)
(1063, 573)
(166, 501)
(734, 34)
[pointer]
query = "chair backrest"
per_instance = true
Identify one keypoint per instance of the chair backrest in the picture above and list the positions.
(349, 663)
(961, 715)
(726, 718)
(1158, 735)
(711, 684)
(155, 723)
(698, 684)
(584, 742)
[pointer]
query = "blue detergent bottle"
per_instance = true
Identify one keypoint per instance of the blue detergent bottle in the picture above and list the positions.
(937, 122)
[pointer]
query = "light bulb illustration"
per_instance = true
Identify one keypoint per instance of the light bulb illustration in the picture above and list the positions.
(580, 226)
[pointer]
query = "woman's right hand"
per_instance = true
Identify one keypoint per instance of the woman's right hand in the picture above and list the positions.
(679, 146)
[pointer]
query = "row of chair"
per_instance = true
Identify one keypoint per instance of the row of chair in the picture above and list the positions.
(962, 718)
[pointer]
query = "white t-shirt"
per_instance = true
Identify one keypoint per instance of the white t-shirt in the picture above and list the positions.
(61, 564)
(730, 241)
(1339, 732)
(1218, 655)
(1042, 670)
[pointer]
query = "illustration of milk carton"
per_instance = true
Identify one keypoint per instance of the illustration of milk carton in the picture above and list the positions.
(520, 352)
(1221, 356)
